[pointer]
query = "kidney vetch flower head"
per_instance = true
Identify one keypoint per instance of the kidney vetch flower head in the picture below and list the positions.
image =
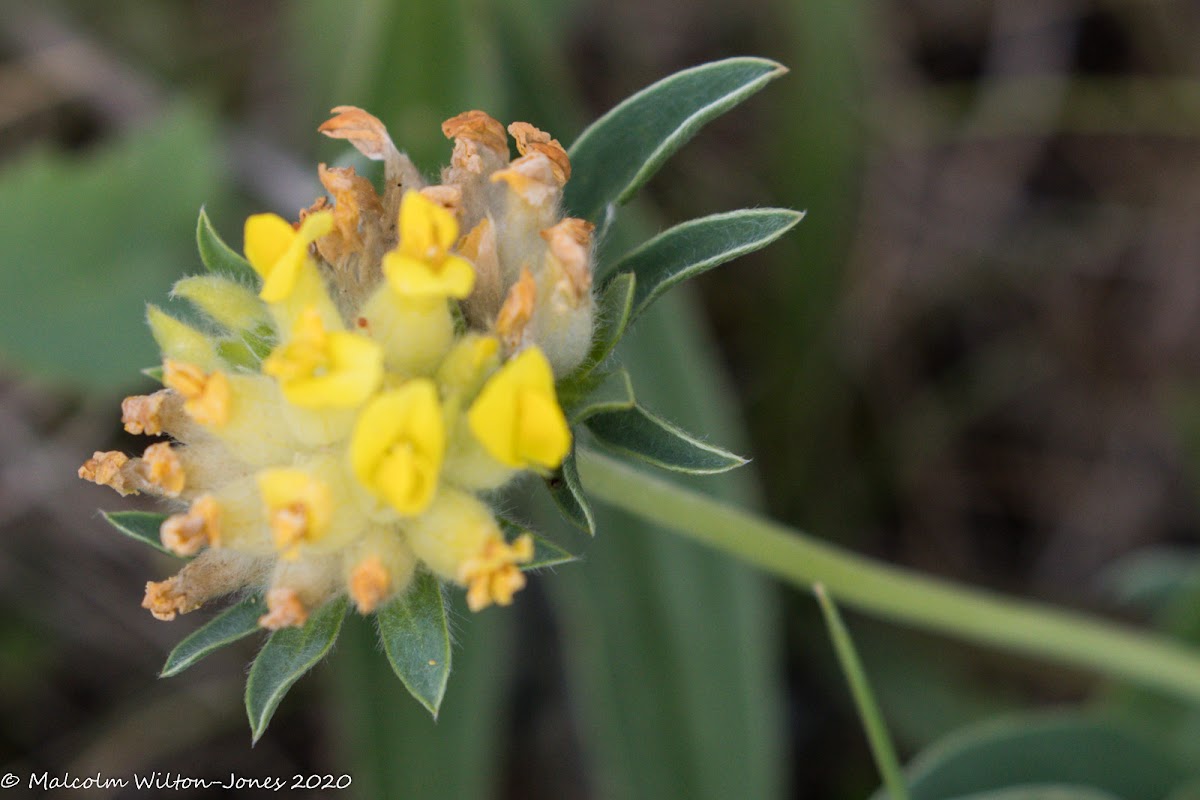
(355, 391)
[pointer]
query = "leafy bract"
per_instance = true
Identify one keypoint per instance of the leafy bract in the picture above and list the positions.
(416, 637)
(287, 655)
(621, 151)
(219, 257)
(140, 525)
(567, 493)
(234, 623)
(636, 432)
(698, 245)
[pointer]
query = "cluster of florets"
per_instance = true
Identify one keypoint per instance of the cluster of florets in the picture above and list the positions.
(332, 429)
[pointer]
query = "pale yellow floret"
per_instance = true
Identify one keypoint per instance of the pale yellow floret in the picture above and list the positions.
(492, 575)
(398, 445)
(285, 609)
(474, 357)
(517, 417)
(320, 369)
(143, 413)
(517, 311)
(181, 342)
(299, 507)
(459, 540)
(277, 251)
(225, 301)
(163, 469)
(108, 468)
(206, 394)
(211, 574)
(422, 265)
(415, 333)
(200, 526)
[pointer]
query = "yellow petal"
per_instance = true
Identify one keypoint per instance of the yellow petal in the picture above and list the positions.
(414, 278)
(268, 237)
(398, 444)
(517, 418)
(427, 230)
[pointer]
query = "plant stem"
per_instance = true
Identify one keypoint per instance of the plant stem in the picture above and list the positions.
(864, 699)
(893, 592)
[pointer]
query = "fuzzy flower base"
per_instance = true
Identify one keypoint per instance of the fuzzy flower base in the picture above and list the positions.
(332, 429)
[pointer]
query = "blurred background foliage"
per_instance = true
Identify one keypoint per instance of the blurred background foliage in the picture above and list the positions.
(977, 356)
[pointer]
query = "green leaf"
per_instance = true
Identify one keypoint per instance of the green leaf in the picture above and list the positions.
(1043, 749)
(699, 245)
(676, 697)
(234, 623)
(155, 372)
(140, 525)
(613, 314)
(621, 151)
(287, 655)
(612, 392)
(89, 238)
(638, 433)
(545, 552)
(567, 493)
(219, 257)
(416, 638)
(1056, 791)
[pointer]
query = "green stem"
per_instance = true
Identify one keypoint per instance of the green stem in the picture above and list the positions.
(864, 698)
(896, 593)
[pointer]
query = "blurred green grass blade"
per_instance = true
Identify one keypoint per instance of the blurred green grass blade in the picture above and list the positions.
(234, 623)
(219, 257)
(545, 552)
(393, 748)
(416, 637)
(1043, 749)
(621, 151)
(864, 699)
(671, 649)
(283, 660)
(1055, 791)
(567, 493)
(698, 245)
(88, 239)
(638, 433)
(142, 526)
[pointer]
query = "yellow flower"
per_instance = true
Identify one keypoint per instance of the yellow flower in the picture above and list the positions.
(517, 418)
(277, 251)
(398, 445)
(206, 395)
(321, 369)
(299, 507)
(422, 265)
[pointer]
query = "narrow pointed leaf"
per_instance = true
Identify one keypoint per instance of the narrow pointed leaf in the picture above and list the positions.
(140, 525)
(545, 552)
(613, 311)
(155, 372)
(219, 257)
(625, 147)
(232, 624)
(637, 432)
(416, 638)
(286, 656)
(699, 245)
(613, 392)
(567, 493)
